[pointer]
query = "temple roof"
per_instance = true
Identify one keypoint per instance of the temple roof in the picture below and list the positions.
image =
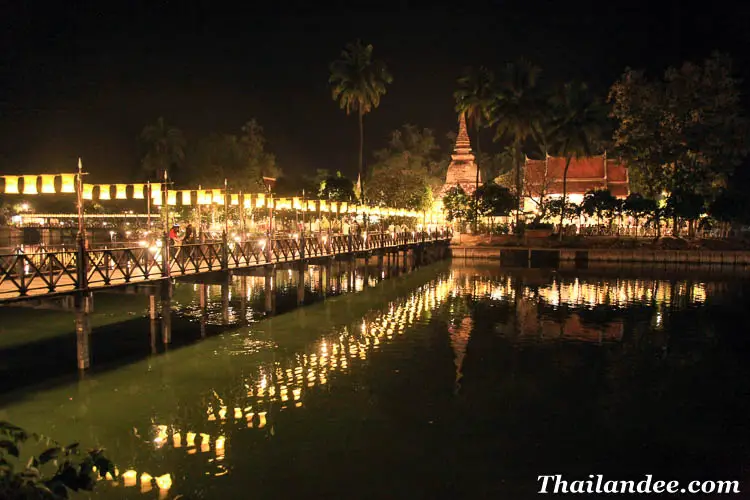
(584, 174)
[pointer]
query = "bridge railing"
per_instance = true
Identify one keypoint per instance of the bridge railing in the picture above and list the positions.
(42, 272)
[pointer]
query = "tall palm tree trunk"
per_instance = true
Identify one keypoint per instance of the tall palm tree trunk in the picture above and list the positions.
(476, 183)
(361, 155)
(519, 188)
(564, 196)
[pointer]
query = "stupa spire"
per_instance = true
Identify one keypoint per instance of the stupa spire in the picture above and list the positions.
(462, 139)
(462, 170)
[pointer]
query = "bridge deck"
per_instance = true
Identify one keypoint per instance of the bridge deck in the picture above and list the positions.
(34, 275)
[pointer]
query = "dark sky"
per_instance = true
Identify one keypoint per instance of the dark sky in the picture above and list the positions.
(81, 79)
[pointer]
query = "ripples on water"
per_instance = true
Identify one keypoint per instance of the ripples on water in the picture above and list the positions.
(468, 381)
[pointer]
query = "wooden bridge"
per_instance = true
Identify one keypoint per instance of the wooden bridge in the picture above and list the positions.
(44, 273)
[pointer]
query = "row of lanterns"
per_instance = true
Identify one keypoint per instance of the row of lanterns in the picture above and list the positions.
(186, 197)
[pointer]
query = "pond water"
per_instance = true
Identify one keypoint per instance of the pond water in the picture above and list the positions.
(461, 379)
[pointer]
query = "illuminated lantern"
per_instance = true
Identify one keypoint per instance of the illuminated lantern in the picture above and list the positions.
(186, 198)
(217, 196)
(68, 184)
(121, 192)
(138, 191)
(156, 197)
(155, 190)
(247, 201)
(29, 184)
(296, 203)
(48, 184)
(323, 206)
(352, 209)
(311, 206)
(11, 184)
(204, 197)
(235, 199)
(88, 192)
(343, 207)
(171, 197)
(376, 211)
(260, 201)
(104, 192)
(334, 207)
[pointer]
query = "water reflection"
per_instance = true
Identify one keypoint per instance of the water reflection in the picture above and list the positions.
(176, 421)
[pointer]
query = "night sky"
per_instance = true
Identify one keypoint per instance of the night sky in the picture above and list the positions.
(82, 79)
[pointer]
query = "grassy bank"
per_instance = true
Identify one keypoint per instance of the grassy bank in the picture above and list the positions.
(601, 243)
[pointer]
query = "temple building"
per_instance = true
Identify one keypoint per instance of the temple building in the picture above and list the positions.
(462, 170)
(544, 178)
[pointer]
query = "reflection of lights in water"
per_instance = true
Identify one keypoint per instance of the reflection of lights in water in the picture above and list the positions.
(658, 319)
(129, 478)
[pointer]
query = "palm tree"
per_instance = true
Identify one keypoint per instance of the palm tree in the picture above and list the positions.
(474, 98)
(357, 83)
(578, 123)
(164, 148)
(516, 111)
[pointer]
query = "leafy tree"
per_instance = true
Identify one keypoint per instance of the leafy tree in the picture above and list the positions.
(495, 200)
(684, 131)
(242, 159)
(50, 475)
(456, 204)
(412, 148)
(358, 82)
(163, 149)
(577, 125)
(639, 207)
(517, 111)
(555, 208)
(685, 204)
(600, 203)
(337, 188)
(474, 98)
(396, 183)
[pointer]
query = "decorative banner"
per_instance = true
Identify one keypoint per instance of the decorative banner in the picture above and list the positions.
(247, 201)
(68, 184)
(283, 204)
(88, 192)
(343, 207)
(323, 206)
(156, 197)
(104, 192)
(186, 198)
(334, 207)
(235, 199)
(352, 209)
(121, 191)
(311, 206)
(138, 191)
(260, 201)
(48, 183)
(171, 197)
(204, 197)
(29, 184)
(296, 203)
(11, 184)
(218, 198)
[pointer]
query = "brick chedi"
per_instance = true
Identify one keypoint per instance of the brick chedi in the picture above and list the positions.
(462, 170)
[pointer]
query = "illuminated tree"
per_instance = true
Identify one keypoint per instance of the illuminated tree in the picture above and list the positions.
(163, 149)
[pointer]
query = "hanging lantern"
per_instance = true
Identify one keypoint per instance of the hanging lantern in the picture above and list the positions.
(171, 197)
(11, 184)
(260, 201)
(48, 183)
(343, 207)
(68, 184)
(296, 203)
(29, 184)
(138, 191)
(204, 197)
(104, 193)
(352, 208)
(217, 197)
(156, 197)
(247, 201)
(311, 206)
(121, 191)
(88, 192)
(186, 198)
(323, 206)
(155, 191)
(235, 199)
(334, 207)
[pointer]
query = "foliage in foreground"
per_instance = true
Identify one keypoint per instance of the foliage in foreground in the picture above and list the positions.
(52, 474)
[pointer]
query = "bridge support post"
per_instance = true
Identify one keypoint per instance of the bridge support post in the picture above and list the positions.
(380, 265)
(153, 312)
(83, 330)
(243, 298)
(226, 281)
(154, 329)
(166, 265)
(269, 290)
(301, 284)
(224, 250)
(166, 311)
